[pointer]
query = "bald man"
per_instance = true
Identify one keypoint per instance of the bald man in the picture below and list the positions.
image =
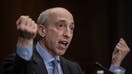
(55, 28)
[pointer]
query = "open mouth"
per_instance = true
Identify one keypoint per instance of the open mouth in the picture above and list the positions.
(63, 44)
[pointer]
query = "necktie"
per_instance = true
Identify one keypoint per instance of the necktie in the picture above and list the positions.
(55, 67)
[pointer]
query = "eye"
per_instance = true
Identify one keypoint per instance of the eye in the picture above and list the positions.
(72, 28)
(61, 25)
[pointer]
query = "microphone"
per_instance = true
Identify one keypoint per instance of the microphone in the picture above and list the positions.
(104, 68)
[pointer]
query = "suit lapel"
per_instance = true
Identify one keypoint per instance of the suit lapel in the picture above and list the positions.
(38, 60)
(64, 66)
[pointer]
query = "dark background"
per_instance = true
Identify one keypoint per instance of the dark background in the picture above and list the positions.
(99, 26)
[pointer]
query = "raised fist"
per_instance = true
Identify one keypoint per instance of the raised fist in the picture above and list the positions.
(119, 53)
(27, 27)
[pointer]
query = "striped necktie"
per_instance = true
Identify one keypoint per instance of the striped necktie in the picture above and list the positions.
(55, 67)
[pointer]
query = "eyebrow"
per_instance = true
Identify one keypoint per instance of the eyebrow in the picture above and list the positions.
(63, 21)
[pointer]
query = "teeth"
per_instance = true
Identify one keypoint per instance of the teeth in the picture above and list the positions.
(63, 42)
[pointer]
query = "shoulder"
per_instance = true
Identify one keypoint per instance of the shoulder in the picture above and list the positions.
(10, 58)
(8, 61)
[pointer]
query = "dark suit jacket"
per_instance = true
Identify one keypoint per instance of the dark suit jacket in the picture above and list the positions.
(16, 65)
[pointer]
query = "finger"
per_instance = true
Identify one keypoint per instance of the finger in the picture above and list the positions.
(116, 50)
(118, 45)
(29, 22)
(122, 43)
(34, 25)
(25, 22)
(31, 26)
(22, 27)
(21, 21)
(18, 22)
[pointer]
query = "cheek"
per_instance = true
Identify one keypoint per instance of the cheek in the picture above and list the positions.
(53, 36)
(52, 39)
(71, 38)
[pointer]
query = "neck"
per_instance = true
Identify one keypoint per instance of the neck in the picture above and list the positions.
(45, 47)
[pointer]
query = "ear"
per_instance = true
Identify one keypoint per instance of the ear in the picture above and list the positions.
(41, 30)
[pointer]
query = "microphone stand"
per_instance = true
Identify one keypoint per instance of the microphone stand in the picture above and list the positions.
(104, 68)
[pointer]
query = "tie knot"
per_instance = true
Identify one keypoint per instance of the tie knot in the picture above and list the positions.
(55, 62)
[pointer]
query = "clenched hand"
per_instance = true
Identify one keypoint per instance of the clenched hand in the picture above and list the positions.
(119, 53)
(27, 30)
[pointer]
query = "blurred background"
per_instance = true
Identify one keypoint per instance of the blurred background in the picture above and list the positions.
(99, 26)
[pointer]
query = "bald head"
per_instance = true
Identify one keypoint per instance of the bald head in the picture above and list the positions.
(51, 13)
(58, 28)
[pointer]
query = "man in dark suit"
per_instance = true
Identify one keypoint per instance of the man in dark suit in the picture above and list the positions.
(55, 28)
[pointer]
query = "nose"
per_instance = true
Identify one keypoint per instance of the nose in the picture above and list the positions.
(68, 33)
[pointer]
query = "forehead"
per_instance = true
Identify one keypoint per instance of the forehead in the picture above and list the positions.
(61, 15)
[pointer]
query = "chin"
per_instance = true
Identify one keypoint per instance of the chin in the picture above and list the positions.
(61, 53)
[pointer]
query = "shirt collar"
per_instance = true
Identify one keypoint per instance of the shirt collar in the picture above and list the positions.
(47, 57)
